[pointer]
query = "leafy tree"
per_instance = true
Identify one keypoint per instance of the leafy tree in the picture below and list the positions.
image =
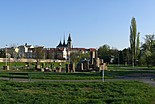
(134, 40)
(138, 46)
(104, 53)
(148, 55)
(115, 56)
(39, 54)
(148, 48)
(77, 56)
(126, 55)
(149, 42)
(2, 53)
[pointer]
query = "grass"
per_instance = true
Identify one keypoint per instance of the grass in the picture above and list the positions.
(124, 92)
(32, 64)
(118, 92)
(61, 76)
(81, 75)
(126, 67)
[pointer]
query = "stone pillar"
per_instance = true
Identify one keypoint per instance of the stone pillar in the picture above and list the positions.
(6, 67)
(67, 68)
(92, 56)
(37, 67)
(81, 66)
(60, 67)
(87, 65)
(105, 66)
(98, 62)
(73, 67)
(42, 70)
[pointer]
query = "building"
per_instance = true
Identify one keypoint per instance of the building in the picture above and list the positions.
(66, 48)
(64, 44)
(61, 52)
(25, 51)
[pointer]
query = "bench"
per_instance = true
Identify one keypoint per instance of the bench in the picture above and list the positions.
(19, 75)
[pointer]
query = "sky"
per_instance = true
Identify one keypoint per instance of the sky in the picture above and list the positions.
(91, 23)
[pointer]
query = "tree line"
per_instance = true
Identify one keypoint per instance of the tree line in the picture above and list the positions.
(138, 54)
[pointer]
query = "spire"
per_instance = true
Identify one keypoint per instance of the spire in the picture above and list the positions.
(60, 44)
(69, 38)
(64, 41)
(69, 42)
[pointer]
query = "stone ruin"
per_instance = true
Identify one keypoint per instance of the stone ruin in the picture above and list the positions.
(94, 64)
(70, 67)
(85, 65)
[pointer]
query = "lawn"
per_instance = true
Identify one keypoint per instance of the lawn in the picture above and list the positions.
(60, 76)
(22, 65)
(119, 92)
(82, 75)
(126, 67)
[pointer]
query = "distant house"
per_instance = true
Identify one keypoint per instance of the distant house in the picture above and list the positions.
(25, 51)
(62, 50)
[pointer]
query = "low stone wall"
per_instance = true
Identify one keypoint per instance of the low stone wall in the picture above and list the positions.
(29, 60)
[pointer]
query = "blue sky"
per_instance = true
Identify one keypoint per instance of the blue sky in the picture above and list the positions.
(92, 23)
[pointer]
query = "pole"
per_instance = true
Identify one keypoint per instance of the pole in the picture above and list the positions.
(6, 55)
(103, 75)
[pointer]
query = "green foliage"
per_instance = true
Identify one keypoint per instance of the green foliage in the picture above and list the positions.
(134, 41)
(77, 56)
(149, 43)
(137, 46)
(124, 92)
(147, 52)
(2, 53)
(104, 53)
(13, 64)
(39, 54)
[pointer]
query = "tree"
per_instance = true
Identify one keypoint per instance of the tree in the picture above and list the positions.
(126, 55)
(148, 48)
(134, 40)
(149, 42)
(39, 54)
(137, 46)
(115, 56)
(104, 53)
(2, 53)
(77, 56)
(148, 55)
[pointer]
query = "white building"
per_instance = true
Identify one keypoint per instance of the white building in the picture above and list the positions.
(25, 51)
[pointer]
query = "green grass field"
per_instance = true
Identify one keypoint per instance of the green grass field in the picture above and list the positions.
(60, 76)
(80, 75)
(118, 92)
(124, 92)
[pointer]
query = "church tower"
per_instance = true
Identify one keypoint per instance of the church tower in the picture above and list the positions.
(69, 42)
